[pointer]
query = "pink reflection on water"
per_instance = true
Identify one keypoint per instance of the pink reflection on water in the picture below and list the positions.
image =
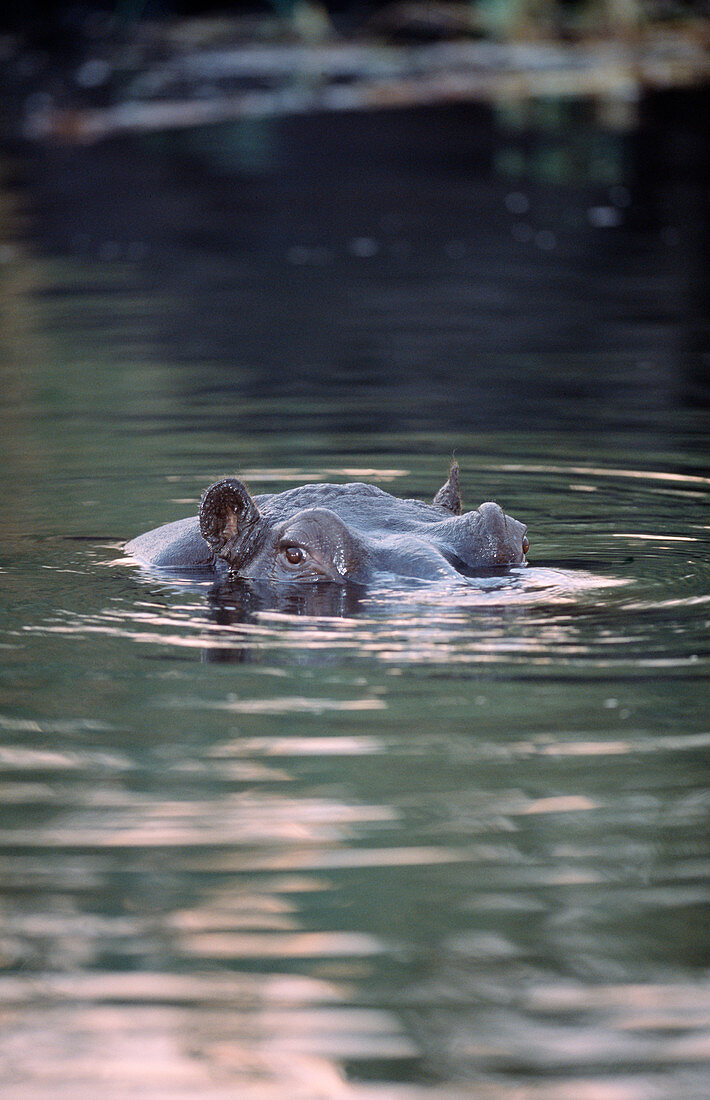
(298, 945)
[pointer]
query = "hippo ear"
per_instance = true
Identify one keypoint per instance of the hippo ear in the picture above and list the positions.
(449, 495)
(229, 520)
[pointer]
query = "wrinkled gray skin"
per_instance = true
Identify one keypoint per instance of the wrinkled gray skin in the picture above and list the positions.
(336, 533)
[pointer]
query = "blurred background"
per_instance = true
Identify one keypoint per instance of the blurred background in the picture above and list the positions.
(406, 844)
(496, 202)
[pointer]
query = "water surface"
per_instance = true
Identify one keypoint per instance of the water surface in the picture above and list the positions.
(405, 842)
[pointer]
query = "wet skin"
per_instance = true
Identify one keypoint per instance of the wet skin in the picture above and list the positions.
(336, 533)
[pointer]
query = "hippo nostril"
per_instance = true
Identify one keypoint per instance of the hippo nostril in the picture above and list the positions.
(526, 544)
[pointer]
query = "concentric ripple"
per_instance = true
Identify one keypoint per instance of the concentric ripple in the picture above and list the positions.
(428, 841)
(620, 576)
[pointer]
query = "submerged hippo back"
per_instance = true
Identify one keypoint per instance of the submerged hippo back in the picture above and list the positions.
(177, 545)
(365, 509)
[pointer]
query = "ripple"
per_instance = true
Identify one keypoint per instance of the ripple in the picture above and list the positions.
(107, 819)
(653, 476)
(20, 758)
(294, 705)
(419, 622)
(632, 600)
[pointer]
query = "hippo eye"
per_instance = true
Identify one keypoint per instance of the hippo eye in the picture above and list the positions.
(526, 544)
(294, 555)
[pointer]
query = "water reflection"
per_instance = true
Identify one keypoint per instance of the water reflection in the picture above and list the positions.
(552, 614)
(518, 613)
(297, 945)
(402, 842)
(463, 273)
(261, 855)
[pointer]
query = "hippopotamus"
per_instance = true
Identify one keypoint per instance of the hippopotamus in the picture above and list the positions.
(337, 533)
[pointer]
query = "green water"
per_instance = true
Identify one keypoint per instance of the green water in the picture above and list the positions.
(414, 843)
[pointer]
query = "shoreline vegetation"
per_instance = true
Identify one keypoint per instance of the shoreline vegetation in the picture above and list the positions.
(153, 76)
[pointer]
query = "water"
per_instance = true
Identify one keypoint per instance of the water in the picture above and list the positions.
(406, 843)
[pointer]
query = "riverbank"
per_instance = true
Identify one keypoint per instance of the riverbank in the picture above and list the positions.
(169, 76)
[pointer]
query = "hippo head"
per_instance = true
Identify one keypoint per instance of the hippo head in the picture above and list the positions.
(344, 533)
(310, 544)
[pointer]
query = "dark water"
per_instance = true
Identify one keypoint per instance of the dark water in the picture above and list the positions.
(413, 842)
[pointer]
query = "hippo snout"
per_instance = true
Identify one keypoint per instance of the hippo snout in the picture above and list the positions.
(503, 540)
